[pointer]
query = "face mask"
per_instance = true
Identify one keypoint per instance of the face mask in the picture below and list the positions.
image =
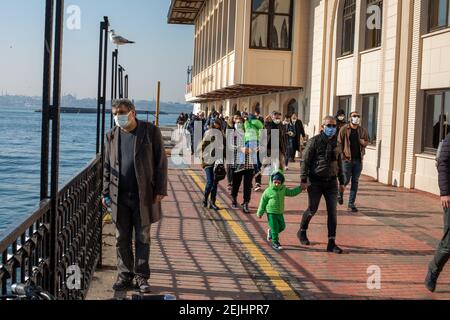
(122, 121)
(341, 118)
(356, 121)
(330, 132)
(238, 126)
(277, 121)
(294, 120)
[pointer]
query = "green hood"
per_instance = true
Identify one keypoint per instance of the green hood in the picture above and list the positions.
(277, 172)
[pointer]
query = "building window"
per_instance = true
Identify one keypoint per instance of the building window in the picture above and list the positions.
(437, 109)
(375, 23)
(345, 103)
(224, 28)
(271, 26)
(370, 116)
(232, 26)
(439, 14)
(348, 27)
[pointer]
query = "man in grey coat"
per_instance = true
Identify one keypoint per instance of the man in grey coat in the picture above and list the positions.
(135, 183)
(442, 254)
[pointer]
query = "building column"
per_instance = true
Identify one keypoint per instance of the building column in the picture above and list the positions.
(389, 89)
(415, 95)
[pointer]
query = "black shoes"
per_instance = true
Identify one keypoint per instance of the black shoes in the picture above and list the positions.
(122, 285)
(340, 198)
(245, 208)
(205, 203)
(212, 205)
(431, 280)
(303, 238)
(333, 248)
(353, 208)
(142, 285)
(234, 204)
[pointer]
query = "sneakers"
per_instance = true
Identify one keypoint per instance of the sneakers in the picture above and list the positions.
(277, 246)
(431, 280)
(353, 208)
(234, 204)
(303, 238)
(340, 198)
(333, 248)
(257, 187)
(245, 208)
(142, 285)
(269, 235)
(122, 285)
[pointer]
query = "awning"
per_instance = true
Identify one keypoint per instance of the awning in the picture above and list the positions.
(240, 91)
(184, 11)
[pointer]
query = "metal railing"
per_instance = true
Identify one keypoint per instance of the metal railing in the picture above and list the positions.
(26, 253)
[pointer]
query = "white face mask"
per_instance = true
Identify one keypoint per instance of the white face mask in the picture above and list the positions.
(356, 121)
(341, 118)
(276, 121)
(122, 121)
(238, 126)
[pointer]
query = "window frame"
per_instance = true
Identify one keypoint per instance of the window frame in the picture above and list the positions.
(271, 17)
(345, 17)
(349, 99)
(372, 143)
(447, 18)
(442, 93)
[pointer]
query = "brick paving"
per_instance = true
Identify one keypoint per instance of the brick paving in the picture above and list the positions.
(195, 255)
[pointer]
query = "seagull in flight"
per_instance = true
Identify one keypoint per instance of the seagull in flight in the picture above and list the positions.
(118, 40)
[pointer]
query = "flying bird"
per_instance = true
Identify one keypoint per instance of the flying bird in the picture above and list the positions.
(118, 40)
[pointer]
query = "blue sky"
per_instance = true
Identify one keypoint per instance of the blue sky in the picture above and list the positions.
(162, 52)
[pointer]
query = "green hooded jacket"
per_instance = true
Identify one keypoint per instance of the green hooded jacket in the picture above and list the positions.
(253, 129)
(272, 200)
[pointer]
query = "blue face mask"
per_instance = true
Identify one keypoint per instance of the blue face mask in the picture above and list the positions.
(329, 132)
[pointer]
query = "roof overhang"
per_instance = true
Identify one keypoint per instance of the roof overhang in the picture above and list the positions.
(184, 11)
(240, 91)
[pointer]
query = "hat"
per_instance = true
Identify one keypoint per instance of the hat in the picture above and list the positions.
(278, 176)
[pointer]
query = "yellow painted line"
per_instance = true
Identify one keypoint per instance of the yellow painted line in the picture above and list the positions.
(282, 286)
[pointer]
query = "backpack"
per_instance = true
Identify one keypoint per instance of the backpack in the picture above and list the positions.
(220, 172)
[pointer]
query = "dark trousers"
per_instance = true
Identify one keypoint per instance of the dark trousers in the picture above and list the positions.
(129, 220)
(290, 152)
(247, 176)
(352, 172)
(258, 172)
(230, 171)
(443, 251)
(329, 190)
(211, 184)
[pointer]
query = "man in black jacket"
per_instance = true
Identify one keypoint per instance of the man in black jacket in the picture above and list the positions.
(322, 166)
(443, 251)
(299, 133)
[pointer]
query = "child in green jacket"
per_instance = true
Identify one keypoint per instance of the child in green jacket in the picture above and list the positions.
(272, 203)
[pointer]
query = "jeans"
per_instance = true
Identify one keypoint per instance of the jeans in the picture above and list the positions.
(211, 184)
(258, 173)
(317, 189)
(443, 251)
(128, 218)
(247, 175)
(352, 172)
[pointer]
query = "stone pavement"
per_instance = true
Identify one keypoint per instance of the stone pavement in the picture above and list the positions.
(201, 254)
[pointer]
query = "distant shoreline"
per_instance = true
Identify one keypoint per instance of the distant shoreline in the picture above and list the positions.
(94, 111)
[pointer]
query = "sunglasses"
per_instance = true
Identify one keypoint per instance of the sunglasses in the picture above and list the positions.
(331, 126)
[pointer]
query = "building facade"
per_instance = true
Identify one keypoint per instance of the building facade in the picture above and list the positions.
(387, 59)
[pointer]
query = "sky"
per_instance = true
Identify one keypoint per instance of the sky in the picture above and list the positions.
(162, 51)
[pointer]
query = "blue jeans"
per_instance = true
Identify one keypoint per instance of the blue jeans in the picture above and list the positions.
(211, 184)
(352, 172)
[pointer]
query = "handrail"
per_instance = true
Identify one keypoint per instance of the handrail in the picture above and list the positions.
(25, 253)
